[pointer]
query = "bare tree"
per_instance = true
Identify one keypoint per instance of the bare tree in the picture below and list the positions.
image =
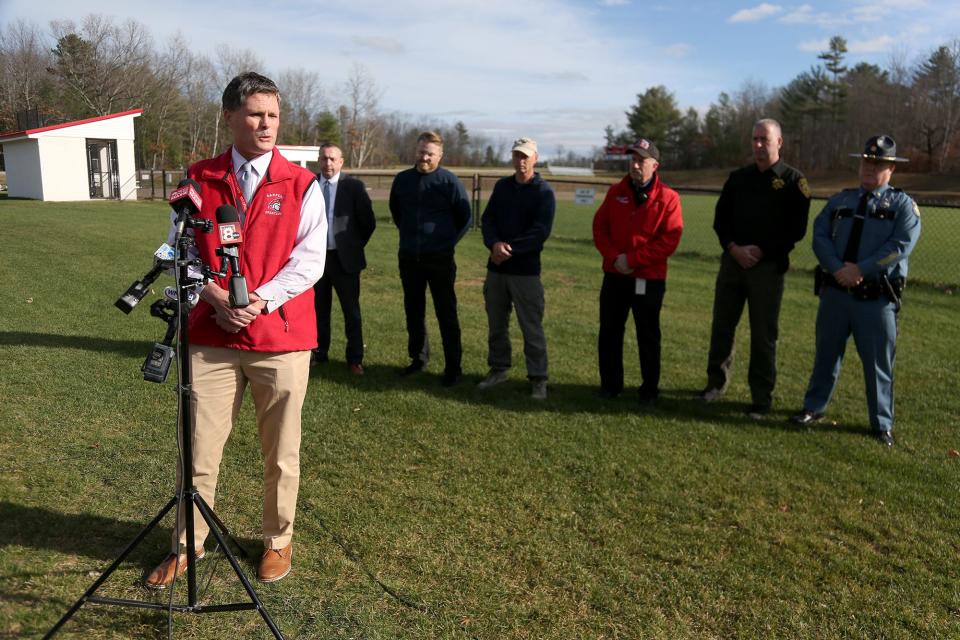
(103, 67)
(364, 127)
(24, 59)
(302, 103)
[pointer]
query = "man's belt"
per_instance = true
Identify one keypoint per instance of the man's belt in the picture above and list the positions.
(866, 290)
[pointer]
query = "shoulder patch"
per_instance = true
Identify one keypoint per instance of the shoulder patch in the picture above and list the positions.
(916, 209)
(804, 187)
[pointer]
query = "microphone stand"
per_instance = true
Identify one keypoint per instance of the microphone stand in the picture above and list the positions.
(189, 497)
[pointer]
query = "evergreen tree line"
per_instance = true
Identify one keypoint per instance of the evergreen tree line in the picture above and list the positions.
(826, 112)
(99, 66)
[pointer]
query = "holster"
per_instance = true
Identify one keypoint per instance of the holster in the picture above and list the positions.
(893, 288)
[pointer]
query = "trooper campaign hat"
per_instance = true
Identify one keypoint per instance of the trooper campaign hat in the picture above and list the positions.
(880, 147)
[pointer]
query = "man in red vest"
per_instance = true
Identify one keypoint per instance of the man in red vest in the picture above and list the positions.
(265, 345)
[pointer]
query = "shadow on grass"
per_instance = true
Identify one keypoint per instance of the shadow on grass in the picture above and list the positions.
(93, 536)
(566, 398)
(87, 343)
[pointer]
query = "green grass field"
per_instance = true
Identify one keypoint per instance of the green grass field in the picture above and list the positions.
(433, 513)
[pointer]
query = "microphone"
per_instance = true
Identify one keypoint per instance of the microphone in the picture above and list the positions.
(185, 200)
(229, 230)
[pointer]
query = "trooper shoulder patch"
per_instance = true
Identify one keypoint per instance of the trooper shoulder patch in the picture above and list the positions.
(916, 209)
(804, 187)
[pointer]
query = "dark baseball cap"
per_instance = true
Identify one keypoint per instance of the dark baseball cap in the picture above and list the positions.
(645, 149)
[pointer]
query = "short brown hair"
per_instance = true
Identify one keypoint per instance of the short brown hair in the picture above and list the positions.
(430, 136)
(245, 85)
(331, 145)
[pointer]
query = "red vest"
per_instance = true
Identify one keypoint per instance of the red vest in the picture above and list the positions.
(270, 225)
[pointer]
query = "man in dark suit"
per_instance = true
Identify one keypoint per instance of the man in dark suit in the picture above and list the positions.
(350, 223)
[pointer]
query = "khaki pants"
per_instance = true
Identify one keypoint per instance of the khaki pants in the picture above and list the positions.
(278, 384)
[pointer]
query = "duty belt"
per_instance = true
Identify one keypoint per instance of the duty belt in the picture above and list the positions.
(867, 289)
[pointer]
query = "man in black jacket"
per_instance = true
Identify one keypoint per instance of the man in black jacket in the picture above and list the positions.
(760, 216)
(515, 224)
(350, 223)
(430, 208)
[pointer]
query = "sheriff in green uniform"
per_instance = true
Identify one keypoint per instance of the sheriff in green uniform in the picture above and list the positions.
(862, 239)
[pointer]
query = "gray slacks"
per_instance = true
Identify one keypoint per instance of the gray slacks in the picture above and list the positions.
(501, 294)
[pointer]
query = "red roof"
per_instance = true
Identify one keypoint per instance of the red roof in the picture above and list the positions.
(27, 132)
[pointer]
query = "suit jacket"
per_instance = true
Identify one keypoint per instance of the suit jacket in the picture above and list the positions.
(353, 222)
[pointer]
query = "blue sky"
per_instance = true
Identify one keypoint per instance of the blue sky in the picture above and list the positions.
(556, 70)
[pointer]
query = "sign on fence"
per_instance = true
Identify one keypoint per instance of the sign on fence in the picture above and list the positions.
(584, 195)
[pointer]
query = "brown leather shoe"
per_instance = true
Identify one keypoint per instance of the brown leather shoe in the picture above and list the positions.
(162, 575)
(275, 564)
(356, 369)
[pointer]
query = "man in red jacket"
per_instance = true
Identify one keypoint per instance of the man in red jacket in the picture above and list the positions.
(265, 345)
(636, 229)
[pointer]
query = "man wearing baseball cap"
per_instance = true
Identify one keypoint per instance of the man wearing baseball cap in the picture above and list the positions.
(862, 239)
(636, 229)
(516, 223)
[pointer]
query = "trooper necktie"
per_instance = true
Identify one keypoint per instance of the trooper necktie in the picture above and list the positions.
(246, 181)
(853, 243)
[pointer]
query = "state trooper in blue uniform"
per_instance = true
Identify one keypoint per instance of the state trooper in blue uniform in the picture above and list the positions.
(862, 239)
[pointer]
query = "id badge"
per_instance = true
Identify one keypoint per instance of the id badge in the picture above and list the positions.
(641, 287)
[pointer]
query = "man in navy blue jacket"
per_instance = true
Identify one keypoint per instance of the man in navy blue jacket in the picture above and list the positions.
(430, 208)
(515, 224)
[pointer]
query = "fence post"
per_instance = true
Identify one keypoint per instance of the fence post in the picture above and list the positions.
(476, 200)
(153, 185)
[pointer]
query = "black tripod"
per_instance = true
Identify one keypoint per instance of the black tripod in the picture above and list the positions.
(188, 497)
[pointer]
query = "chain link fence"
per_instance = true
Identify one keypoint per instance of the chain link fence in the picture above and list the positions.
(577, 200)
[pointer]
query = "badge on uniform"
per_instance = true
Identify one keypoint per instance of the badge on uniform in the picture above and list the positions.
(777, 183)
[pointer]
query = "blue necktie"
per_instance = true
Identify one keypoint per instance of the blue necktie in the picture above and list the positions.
(326, 202)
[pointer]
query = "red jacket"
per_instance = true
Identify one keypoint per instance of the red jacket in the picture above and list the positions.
(270, 227)
(648, 232)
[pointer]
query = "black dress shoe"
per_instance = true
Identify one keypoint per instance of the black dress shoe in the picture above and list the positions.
(647, 398)
(805, 418)
(885, 437)
(413, 367)
(450, 378)
(606, 394)
(318, 358)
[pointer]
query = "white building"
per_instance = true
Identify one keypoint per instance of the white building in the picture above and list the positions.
(300, 154)
(88, 159)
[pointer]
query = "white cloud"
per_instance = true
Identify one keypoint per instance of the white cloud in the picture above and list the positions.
(678, 50)
(386, 45)
(754, 14)
(879, 44)
(815, 46)
(805, 14)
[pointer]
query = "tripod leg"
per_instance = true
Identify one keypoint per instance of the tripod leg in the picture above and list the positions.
(106, 574)
(219, 524)
(215, 530)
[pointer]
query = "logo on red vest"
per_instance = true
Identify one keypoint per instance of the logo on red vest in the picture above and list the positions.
(274, 201)
(623, 199)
